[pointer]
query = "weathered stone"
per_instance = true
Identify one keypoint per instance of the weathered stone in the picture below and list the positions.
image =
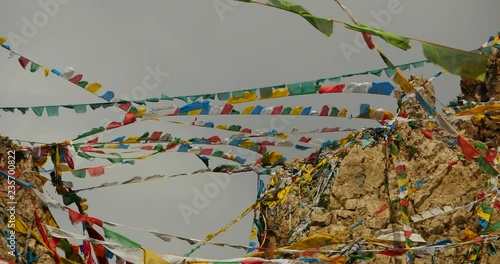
(320, 218)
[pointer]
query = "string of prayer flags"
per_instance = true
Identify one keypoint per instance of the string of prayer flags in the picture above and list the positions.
(324, 25)
(67, 74)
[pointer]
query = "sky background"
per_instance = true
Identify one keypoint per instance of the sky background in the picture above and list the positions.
(205, 51)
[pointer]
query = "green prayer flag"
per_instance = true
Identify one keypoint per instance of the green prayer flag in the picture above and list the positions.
(52, 110)
(153, 100)
(38, 110)
(144, 136)
(266, 92)
(486, 208)
(166, 97)
(324, 25)
(8, 109)
(85, 156)
(458, 62)
(83, 84)
(486, 167)
(140, 102)
(23, 109)
(393, 39)
(335, 111)
(120, 239)
(79, 109)
(294, 89)
(209, 96)
(34, 67)
(390, 72)
(194, 97)
(223, 96)
(238, 94)
(335, 79)
(218, 153)
(235, 128)
(493, 227)
(115, 160)
(91, 132)
(79, 173)
(310, 87)
(182, 98)
(418, 64)
(286, 111)
(95, 106)
(404, 67)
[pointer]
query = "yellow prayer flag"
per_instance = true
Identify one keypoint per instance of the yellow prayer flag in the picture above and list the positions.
(247, 110)
(221, 127)
(342, 113)
(150, 258)
(112, 146)
(194, 112)
(297, 110)
(282, 136)
(484, 215)
(93, 87)
(247, 97)
(253, 233)
(132, 139)
(280, 93)
(246, 144)
(315, 241)
(478, 110)
(140, 112)
(2, 40)
(401, 80)
(46, 71)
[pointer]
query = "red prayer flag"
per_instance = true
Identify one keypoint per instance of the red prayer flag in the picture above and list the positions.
(469, 151)
(451, 164)
(23, 61)
(368, 40)
(96, 171)
(113, 125)
(400, 168)
(206, 151)
(381, 209)
(129, 118)
(427, 133)
(305, 139)
(324, 110)
(125, 107)
(277, 110)
(490, 155)
(332, 89)
(393, 252)
(76, 79)
(147, 147)
(155, 136)
(93, 140)
(246, 130)
(227, 109)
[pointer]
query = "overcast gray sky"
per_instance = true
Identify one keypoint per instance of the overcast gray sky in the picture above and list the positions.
(205, 46)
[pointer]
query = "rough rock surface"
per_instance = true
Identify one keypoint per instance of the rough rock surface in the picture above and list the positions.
(24, 208)
(366, 180)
